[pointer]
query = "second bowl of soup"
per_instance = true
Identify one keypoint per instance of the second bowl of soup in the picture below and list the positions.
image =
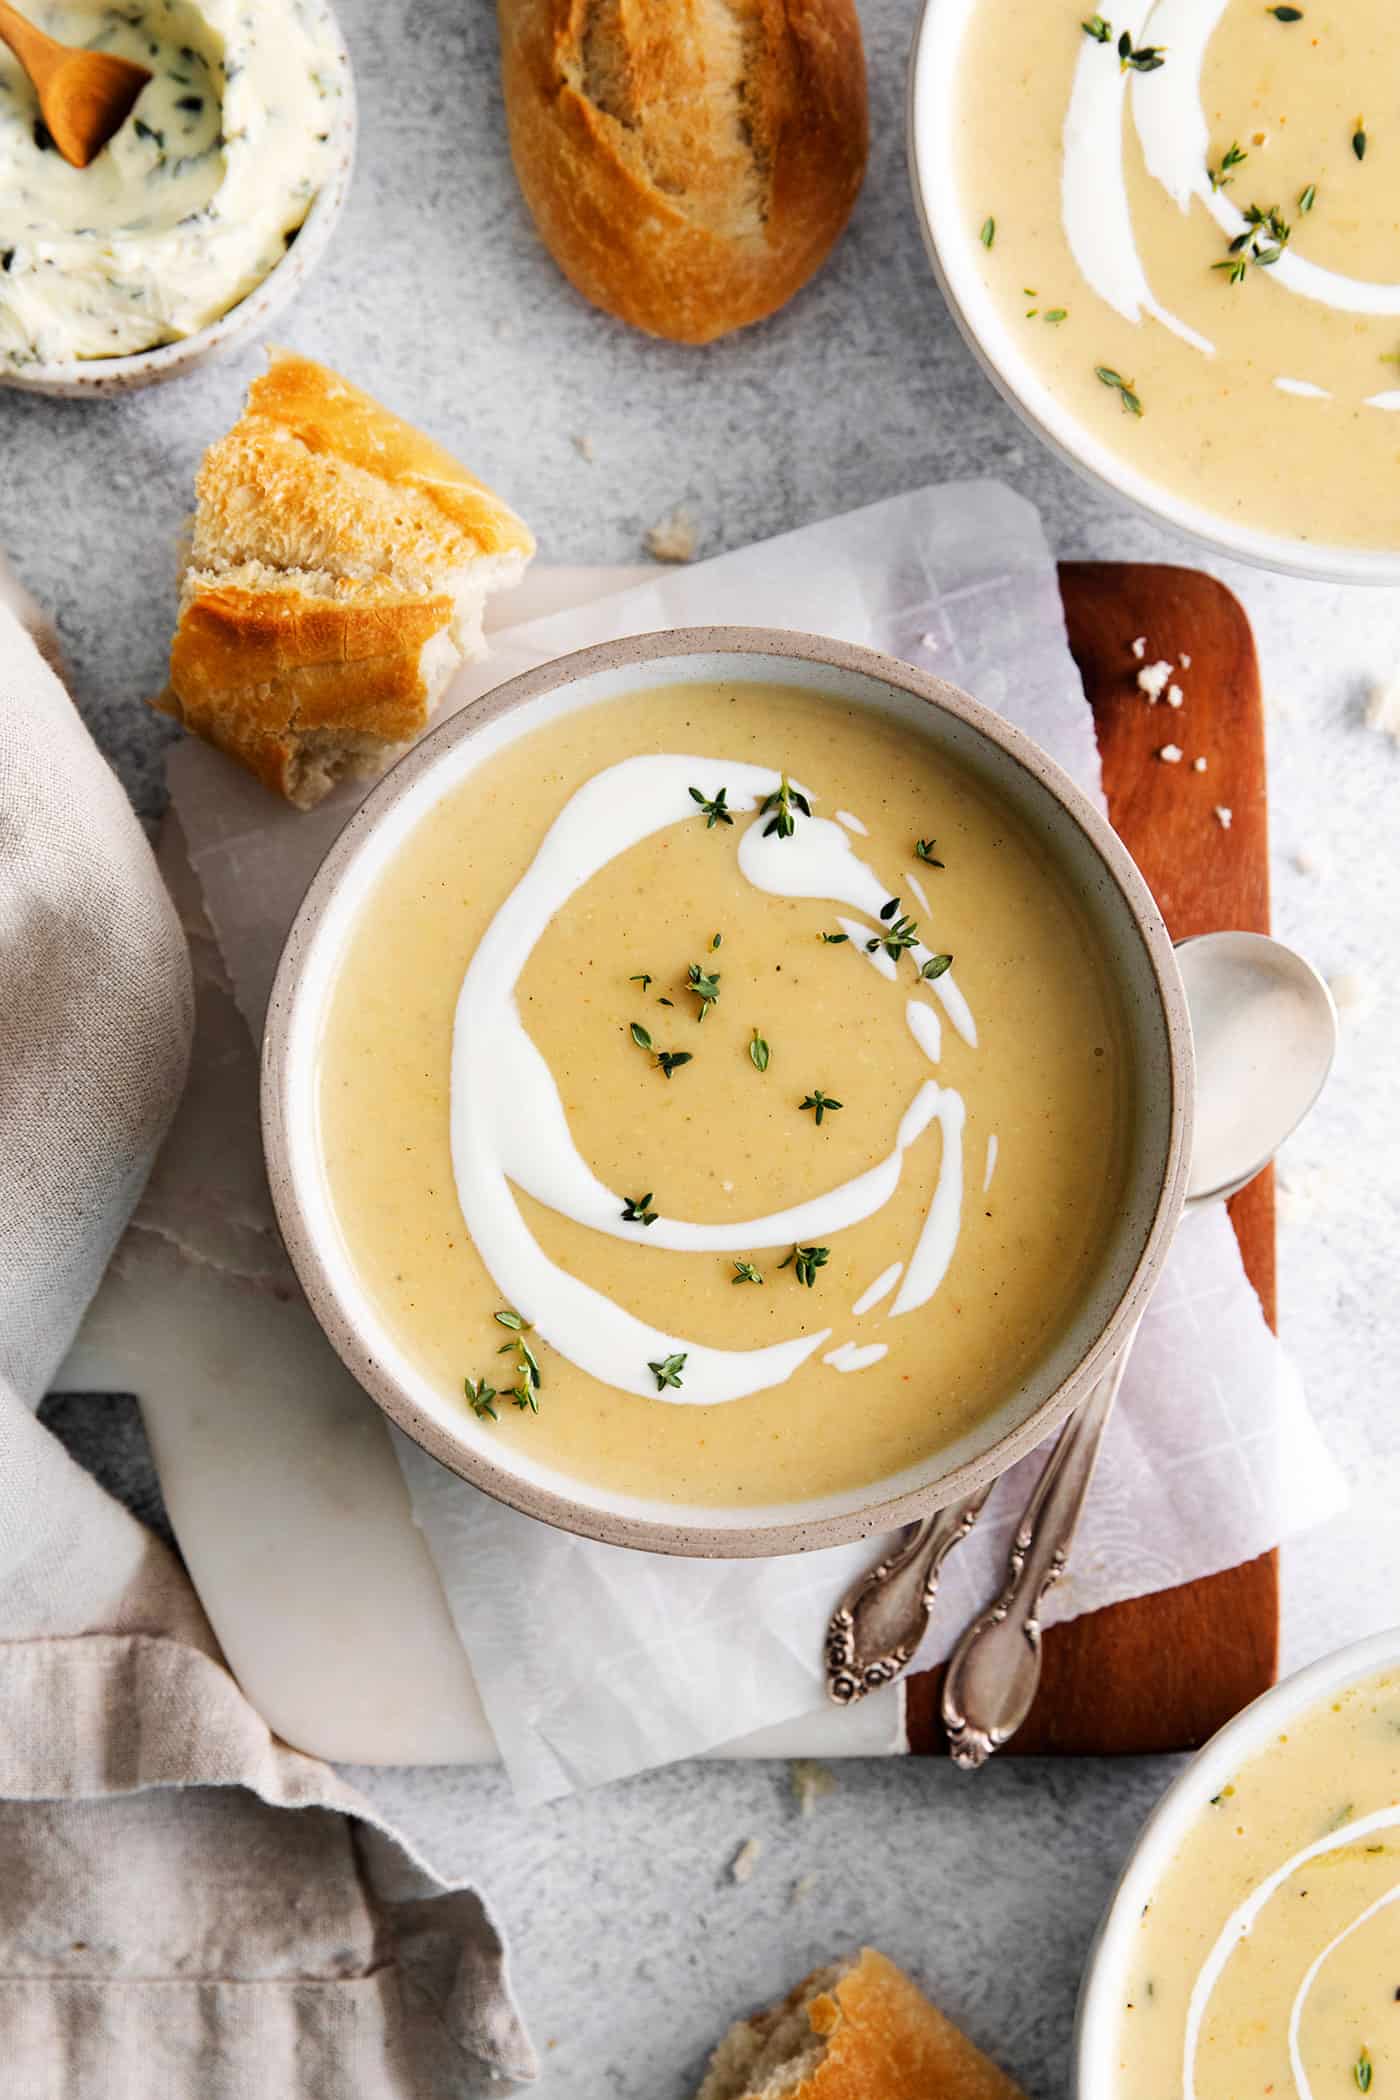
(727, 1091)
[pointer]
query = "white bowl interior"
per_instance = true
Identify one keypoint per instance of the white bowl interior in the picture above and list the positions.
(951, 237)
(459, 755)
(1251, 1732)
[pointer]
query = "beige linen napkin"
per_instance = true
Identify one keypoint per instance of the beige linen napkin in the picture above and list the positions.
(166, 1927)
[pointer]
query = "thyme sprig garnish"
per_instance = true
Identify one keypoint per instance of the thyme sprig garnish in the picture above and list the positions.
(643, 978)
(822, 1103)
(745, 1272)
(482, 1398)
(924, 850)
(668, 1371)
(807, 1261)
(635, 1212)
(1362, 2070)
(759, 1052)
(667, 1060)
(715, 807)
(1220, 177)
(705, 985)
(1359, 140)
(784, 799)
(901, 932)
(1106, 376)
(1140, 58)
(526, 1388)
(834, 940)
(1098, 29)
(1262, 227)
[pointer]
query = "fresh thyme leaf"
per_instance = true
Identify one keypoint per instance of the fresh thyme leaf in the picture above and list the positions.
(668, 1371)
(1123, 387)
(1143, 58)
(635, 1212)
(988, 233)
(1359, 140)
(643, 978)
(1362, 2070)
(887, 911)
(705, 987)
(1098, 29)
(511, 1320)
(1054, 315)
(745, 1272)
(759, 1052)
(834, 940)
(807, 1260)
(924, 848)
(715, 808)
(1285, 14)
(665, 1002)
(935, 966)
(903, 933)
(820, 1102)
(1220, 177)
(524, 1396)
(784, 799)
(640, 1036)
(669, 1060)
(481, 1397)
(716, 939)
(1307, 198)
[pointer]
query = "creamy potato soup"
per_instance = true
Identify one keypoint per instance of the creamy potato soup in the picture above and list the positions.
(1190, 216)
(1268, 1962)
(751, 1057)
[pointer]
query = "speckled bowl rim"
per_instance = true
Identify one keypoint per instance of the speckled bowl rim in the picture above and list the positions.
(1161, 1836)
(81, 378)
(938, 206)
(570, 1512)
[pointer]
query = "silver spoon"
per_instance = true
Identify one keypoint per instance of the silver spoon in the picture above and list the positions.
(1265, 1031)
(1249, 997)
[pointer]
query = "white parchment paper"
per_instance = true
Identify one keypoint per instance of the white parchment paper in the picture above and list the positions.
(594, 1662)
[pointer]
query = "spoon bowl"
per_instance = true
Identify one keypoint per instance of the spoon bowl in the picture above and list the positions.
(84, 96)
(1265, 1029)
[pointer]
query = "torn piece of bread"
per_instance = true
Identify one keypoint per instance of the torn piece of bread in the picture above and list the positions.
(339, 568)
(858, 2030)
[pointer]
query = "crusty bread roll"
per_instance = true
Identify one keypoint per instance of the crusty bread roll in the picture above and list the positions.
(689, 163)
(859, 2030)
(339, 568)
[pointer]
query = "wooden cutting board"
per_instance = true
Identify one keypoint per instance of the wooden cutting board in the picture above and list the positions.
(1164, 1672)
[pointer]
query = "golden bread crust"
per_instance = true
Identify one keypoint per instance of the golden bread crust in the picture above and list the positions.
(689, 163)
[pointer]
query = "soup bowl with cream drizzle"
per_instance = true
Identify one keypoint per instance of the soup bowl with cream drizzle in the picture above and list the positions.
(727, 1092)
(1166, 235)
(1253, 1942)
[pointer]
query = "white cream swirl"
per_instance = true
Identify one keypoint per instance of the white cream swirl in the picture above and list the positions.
(508, 1125)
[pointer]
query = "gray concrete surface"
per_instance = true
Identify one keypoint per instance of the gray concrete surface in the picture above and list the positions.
(632, 1945)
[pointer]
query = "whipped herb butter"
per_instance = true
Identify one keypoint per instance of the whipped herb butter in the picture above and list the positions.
(195, 199)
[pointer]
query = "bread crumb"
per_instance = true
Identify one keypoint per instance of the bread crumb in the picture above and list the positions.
(1170, 754)
(1175, 696)
(1140, 647)
(1184, 661)
(810, 1782)
(1224, 817)
(1383, 708)
(801, 1889)
(583, 445)
(1306, 861)
(745, 1860)
(672, 538)
(1152, 679)
(1198, 765)
(1351, 992)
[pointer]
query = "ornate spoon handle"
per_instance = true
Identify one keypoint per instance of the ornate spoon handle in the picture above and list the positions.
(994, 1670)
(881, 1619)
